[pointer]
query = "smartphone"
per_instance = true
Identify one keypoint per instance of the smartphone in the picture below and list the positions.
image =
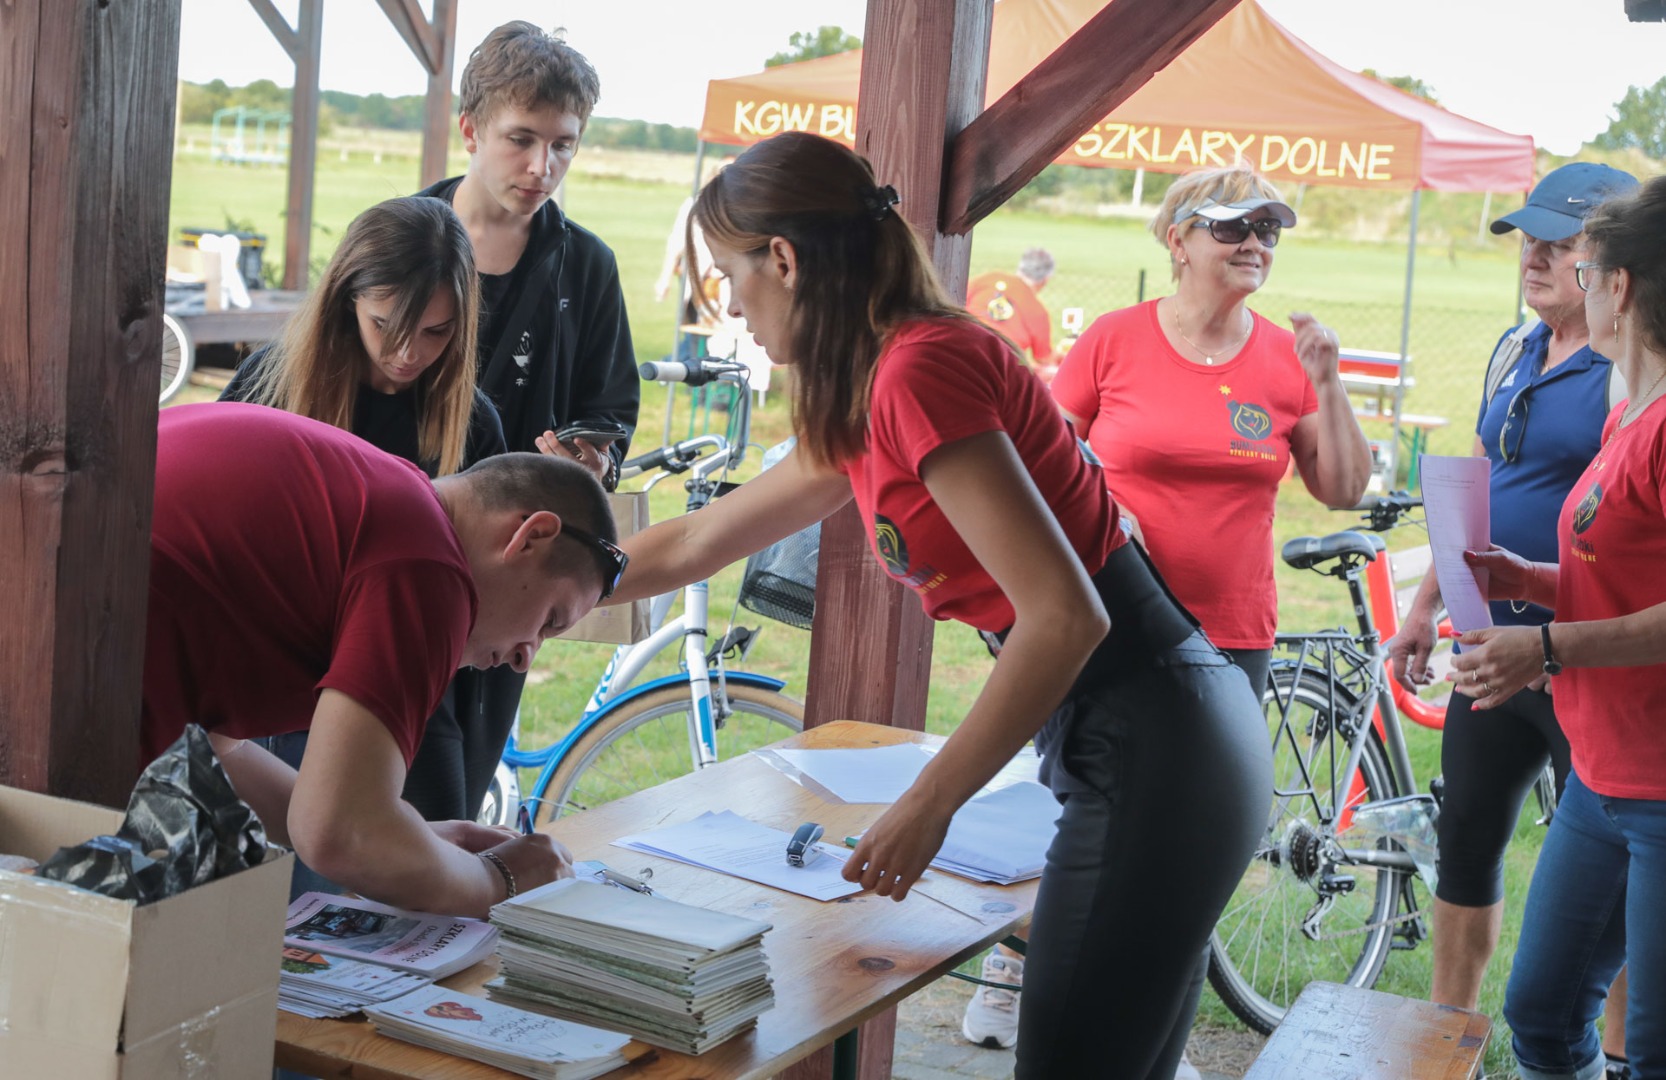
(596, 432)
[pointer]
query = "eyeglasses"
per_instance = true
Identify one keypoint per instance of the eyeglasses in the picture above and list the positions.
(1581, 273)
(1510, 435)
(612, 556)
(1237, 230)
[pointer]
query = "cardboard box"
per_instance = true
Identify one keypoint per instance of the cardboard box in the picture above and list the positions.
(98, 989)
(618, 624)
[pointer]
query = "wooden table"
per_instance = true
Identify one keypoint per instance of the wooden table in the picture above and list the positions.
(835, 964)
(256, 324)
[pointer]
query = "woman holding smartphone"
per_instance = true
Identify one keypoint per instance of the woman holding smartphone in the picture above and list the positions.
(384, 347)
(976, 496)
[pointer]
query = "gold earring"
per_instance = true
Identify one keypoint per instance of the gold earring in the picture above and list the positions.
(1616, 324)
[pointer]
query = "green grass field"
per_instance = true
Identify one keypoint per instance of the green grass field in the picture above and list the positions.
(1462, 303)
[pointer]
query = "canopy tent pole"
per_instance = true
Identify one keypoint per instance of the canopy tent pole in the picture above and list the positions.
(682, 291)
(1405, 338)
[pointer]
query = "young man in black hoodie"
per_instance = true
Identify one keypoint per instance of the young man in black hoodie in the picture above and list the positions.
(555, 347)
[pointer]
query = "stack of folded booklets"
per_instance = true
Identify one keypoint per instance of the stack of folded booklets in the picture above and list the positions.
(511, 1039)
(341, 953)
(676, 976)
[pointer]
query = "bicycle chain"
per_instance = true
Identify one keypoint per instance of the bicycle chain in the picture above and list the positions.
(1367, 928)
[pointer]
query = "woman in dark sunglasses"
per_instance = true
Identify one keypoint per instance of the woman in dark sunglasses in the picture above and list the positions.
(1197, 405)
(978, 498)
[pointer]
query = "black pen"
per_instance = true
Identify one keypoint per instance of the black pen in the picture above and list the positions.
(524, 819)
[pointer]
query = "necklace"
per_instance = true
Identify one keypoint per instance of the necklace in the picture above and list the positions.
(1640, 400)
(1207, 354)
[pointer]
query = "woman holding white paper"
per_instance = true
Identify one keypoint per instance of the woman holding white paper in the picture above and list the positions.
(1601, 878)
(1540, 422)
(975, 494)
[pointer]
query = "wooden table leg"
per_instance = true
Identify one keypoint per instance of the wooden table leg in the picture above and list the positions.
(863, 1053)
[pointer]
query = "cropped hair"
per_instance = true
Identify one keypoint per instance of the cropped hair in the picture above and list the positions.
(408, 249)
(520, 65)
(861, 273)
(1235, 183)
(1629, 233)
(1036, 265)
(526, 482)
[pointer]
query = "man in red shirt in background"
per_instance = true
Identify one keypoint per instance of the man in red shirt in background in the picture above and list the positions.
(1008, 304)
(302, 579)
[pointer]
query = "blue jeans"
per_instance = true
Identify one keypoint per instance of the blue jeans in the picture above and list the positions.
(1596, 903)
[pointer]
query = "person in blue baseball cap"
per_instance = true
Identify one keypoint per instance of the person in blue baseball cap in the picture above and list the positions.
(1558, 204)
(1546, 396)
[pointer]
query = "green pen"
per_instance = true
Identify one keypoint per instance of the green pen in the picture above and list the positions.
(850, 841)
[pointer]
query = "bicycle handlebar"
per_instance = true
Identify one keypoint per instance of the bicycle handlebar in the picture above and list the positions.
(678, 457)
(1384, 512)
(695, 371)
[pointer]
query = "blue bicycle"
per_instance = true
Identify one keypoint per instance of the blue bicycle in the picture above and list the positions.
(633, 736)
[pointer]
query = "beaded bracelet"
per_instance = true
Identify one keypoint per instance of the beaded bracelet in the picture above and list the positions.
(493, 858)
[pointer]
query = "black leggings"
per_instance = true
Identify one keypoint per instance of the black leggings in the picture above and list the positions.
(1489, 759)
(1161, 762)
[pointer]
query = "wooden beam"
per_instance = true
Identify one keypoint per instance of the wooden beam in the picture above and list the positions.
(923, 72)
(437, 124)
(85, 166)
(303, 144)
(407, 18)
(275, 22)
(1112, 55)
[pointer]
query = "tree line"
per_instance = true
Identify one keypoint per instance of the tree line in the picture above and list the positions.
(198, 102)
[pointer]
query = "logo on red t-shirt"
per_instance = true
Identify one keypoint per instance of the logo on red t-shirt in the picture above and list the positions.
(1585, 514)
(1250, 421)
(893, 552)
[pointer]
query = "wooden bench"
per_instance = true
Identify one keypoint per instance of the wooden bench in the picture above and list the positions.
(1336, 1032)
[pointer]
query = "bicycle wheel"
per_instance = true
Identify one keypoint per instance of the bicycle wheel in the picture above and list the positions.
(178, 355)
(647, 744)
(1303, 912)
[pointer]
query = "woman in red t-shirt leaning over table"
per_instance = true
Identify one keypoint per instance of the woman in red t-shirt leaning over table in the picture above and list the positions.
(975, 495)
(1195, 405)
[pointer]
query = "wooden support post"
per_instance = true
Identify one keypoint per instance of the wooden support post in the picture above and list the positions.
(923, 74)
(1109, 57)
(303, 144)
(434, 44)
(437, 124)
(87, 93)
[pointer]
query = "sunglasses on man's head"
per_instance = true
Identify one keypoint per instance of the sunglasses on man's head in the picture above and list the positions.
(1237, 230)
(612, 557)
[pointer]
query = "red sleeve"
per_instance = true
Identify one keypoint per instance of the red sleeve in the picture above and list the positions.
(1076, 386)
(399, 637)
(929, 392)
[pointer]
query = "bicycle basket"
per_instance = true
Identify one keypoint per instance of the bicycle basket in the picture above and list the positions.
(780, 581)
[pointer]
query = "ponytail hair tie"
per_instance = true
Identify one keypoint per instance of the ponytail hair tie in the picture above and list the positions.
(879, 201)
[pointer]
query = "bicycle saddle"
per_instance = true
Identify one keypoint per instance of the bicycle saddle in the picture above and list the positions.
(1306, 552)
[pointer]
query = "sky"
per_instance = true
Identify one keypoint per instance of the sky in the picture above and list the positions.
(1552, 69)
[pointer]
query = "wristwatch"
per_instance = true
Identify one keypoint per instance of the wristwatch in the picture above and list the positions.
(1553, 666)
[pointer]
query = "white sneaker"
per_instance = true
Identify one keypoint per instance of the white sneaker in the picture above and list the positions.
(1186, 1070)
(991, 1018)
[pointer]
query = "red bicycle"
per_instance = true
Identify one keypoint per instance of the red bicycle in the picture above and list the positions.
(1331, 889)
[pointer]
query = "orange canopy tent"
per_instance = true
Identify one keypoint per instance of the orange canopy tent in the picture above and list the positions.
(1247, 90)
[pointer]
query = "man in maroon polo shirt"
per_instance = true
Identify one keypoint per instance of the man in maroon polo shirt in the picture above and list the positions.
(301, 578)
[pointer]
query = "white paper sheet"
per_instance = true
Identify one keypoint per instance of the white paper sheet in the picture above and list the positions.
(1458, 511)
(730, 844)
(877, 774)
